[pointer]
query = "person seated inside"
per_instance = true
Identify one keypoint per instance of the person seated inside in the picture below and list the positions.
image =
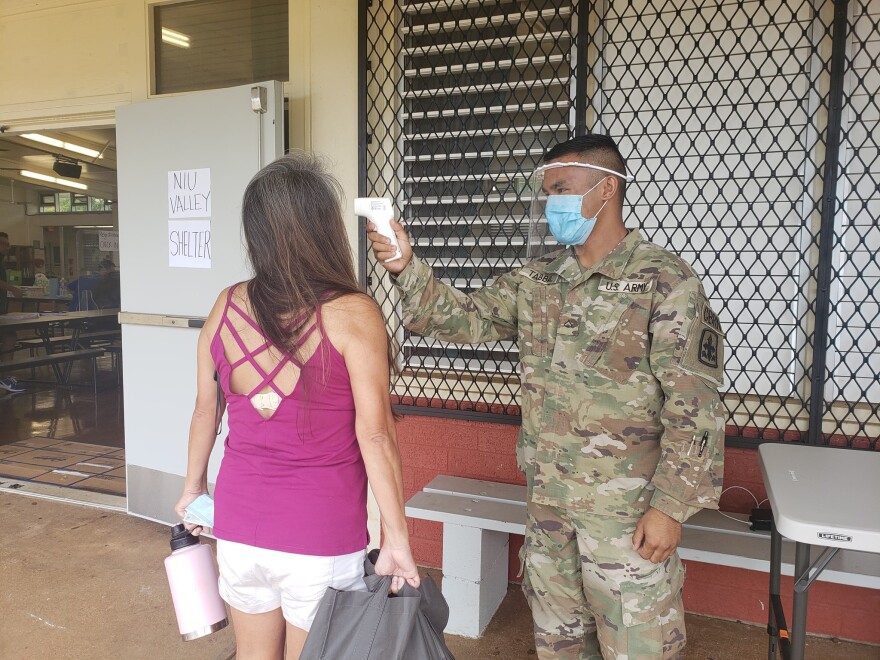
(86, 290)
(81, 292)
(106, 291)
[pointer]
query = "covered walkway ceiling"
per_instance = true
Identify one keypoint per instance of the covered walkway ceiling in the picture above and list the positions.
(18, 153)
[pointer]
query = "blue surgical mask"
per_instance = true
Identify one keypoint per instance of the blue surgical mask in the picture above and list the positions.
(200, 511)
(567, 224)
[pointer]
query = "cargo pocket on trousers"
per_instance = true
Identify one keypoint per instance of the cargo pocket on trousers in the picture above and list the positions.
(652, 613)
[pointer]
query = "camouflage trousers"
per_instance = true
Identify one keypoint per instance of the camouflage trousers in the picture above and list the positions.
(592, 596)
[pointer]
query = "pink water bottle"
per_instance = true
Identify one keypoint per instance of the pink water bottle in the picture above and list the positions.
(192, 577)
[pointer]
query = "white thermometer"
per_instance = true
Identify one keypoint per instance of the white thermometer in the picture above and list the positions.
(379, 211)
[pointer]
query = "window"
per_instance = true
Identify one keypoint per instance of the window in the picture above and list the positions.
(485, 89)
(64, 205)
(97, 205)
(79, 203)
(207, 44)
(65, 202)
(47, 202)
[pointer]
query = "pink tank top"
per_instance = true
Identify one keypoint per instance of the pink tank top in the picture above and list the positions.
(294, 482)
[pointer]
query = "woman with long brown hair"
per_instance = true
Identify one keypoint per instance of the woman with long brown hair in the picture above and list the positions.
(303, 359)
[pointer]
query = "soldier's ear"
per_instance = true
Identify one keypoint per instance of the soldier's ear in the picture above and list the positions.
(609, 187)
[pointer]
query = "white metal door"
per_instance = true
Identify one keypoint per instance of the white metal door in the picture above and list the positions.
(219, 132)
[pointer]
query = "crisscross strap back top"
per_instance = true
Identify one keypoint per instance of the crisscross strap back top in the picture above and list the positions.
(293, 480)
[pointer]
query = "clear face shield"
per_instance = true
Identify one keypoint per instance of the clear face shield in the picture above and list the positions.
(566, 225)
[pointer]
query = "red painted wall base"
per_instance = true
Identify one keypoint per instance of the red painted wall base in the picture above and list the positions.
(431, 445)
(735, 593)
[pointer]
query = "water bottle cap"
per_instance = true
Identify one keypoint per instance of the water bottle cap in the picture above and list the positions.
(181, 538)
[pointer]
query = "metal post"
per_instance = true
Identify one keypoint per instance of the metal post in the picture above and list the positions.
(799, 611)
(580, 88)
(775, 570)
(826, 231)
(362, 138)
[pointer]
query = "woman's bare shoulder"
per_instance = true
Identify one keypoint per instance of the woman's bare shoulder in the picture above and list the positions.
(216, 314)
(352, 303)
(353, 315)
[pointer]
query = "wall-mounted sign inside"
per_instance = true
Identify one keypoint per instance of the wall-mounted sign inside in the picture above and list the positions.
(108, 241)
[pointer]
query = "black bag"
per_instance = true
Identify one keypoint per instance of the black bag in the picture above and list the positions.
(378, 625)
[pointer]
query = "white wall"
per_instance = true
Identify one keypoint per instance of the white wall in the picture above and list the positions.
(14, 220)
(324, 89)
(18, 225)
(70, 64)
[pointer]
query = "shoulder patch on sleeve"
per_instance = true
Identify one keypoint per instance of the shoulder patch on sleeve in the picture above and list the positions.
(704, 350)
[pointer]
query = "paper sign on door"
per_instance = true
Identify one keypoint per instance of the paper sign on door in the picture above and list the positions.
(189, 243)
(189, 193)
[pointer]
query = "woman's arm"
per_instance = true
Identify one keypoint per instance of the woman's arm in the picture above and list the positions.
(358, 332)
(202, 432)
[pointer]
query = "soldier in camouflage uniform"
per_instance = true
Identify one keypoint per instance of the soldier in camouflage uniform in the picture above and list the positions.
(622, 434)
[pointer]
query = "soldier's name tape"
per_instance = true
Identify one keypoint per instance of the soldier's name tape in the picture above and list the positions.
(540, 277)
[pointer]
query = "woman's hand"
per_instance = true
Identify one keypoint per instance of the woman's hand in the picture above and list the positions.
(398, 561)
(180, 508)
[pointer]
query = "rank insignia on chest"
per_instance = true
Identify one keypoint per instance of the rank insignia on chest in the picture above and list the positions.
(626, 286)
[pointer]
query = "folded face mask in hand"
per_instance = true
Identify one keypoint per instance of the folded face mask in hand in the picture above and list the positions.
(200, 511)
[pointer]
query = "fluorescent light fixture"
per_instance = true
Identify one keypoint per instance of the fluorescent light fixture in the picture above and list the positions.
(174, 38)
(94, 227)
(53, 179)
(61, 144)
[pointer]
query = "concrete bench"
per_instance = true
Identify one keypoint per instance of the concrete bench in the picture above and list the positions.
(479, 516)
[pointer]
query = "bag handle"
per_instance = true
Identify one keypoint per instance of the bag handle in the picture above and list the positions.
(372, 619)
(327, 629)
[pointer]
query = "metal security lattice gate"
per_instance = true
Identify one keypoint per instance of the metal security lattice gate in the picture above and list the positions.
(753, 131)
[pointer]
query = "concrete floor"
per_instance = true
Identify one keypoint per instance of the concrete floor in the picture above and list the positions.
(83, 583)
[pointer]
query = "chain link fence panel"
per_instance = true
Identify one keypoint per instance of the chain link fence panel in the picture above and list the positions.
(723, 111)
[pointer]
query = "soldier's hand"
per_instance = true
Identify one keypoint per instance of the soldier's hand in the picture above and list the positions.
(656, 536)
(384, 250)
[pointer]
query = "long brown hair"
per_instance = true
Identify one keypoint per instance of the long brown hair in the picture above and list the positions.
(297, 246)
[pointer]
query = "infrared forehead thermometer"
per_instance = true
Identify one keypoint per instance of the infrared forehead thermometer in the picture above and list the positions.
(379, 211)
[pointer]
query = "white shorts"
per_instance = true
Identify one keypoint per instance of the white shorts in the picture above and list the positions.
(255, 580)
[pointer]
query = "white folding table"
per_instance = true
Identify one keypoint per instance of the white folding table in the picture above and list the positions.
(821, 496)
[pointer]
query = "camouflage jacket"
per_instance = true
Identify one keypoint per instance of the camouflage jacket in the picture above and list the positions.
(620, 367)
